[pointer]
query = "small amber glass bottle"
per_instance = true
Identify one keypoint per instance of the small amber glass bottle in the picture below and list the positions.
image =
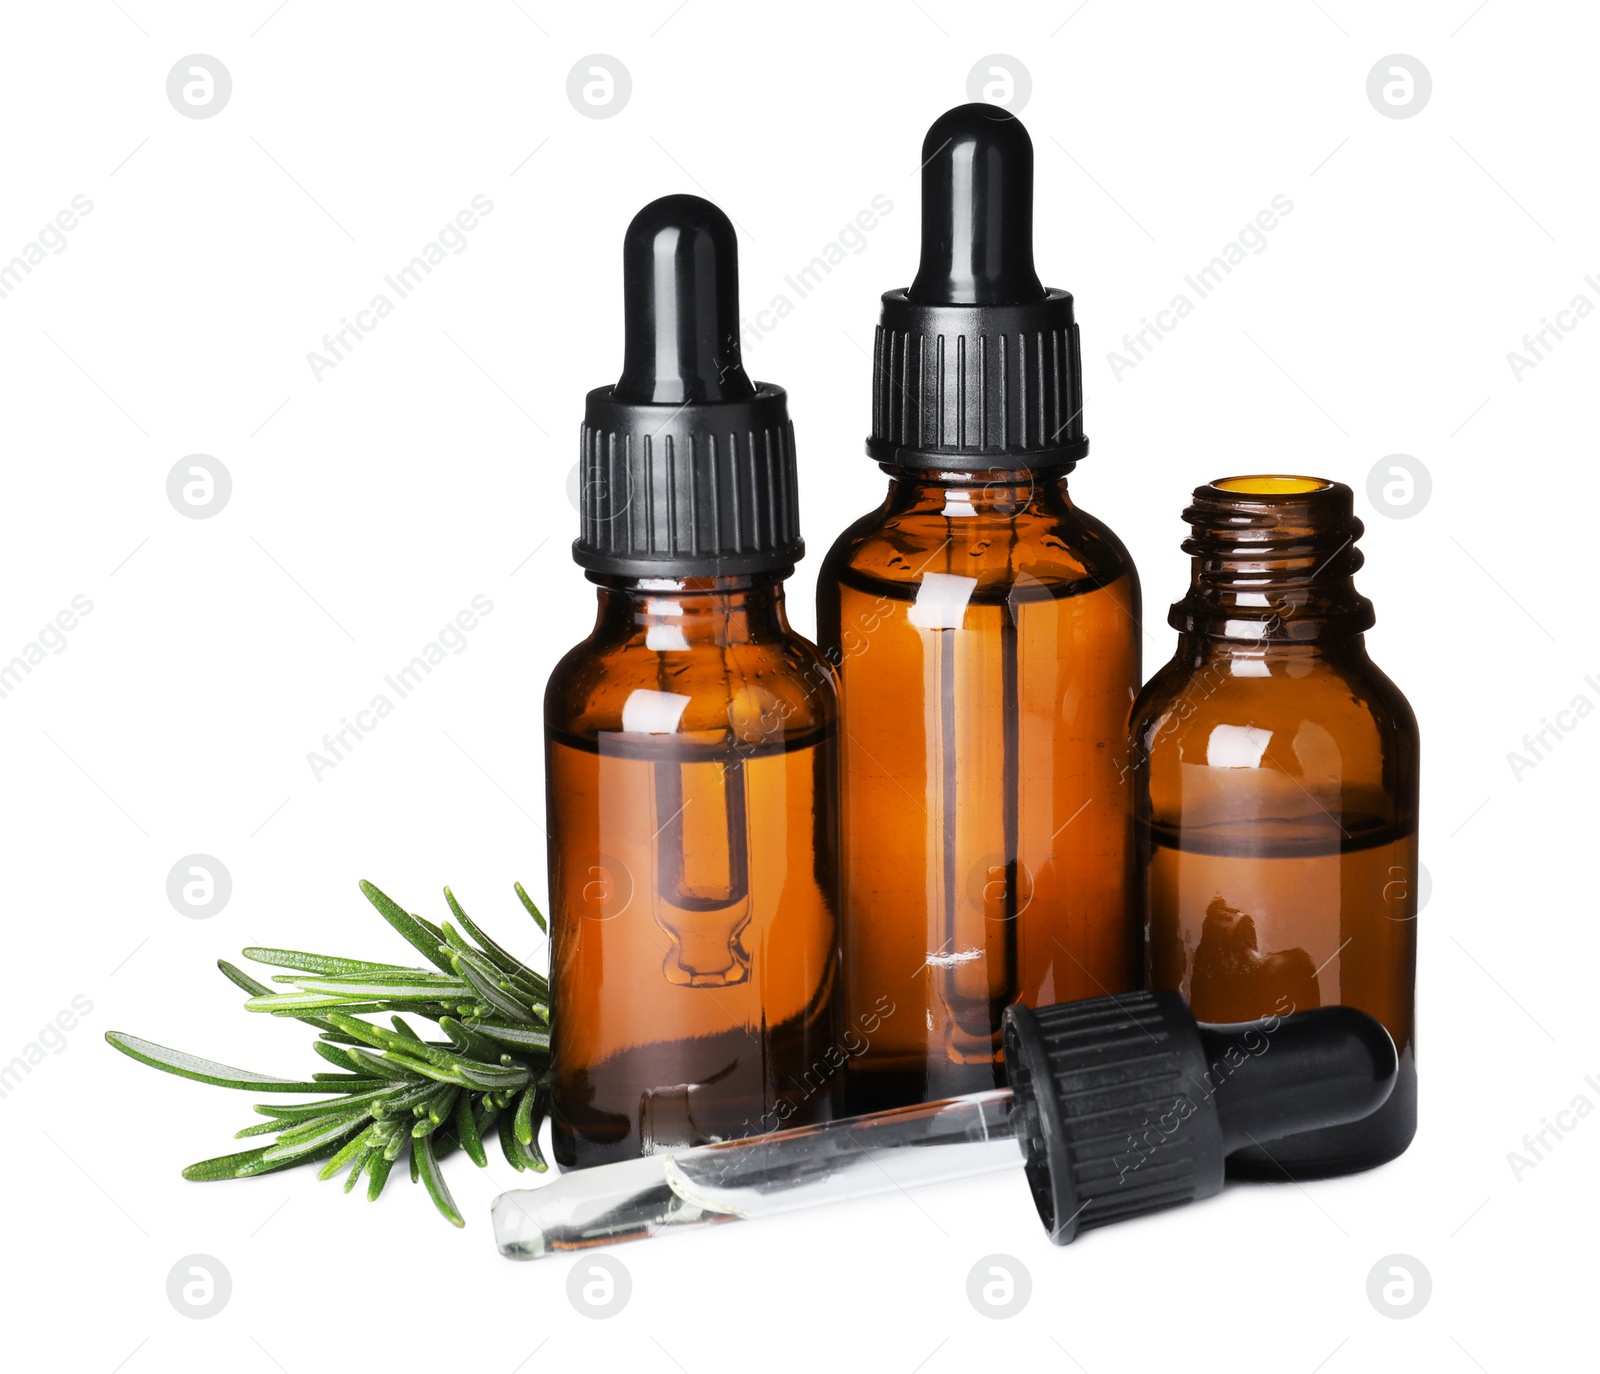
(985, 632)
(1275, 796)
(690, 744)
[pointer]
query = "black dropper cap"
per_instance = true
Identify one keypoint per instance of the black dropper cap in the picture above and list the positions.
(687, 465)
(1125, 1105)
(976, 364)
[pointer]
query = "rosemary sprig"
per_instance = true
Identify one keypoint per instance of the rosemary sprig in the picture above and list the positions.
(394, 1091)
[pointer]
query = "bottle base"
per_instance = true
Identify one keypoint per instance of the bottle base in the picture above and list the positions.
(676, 1094)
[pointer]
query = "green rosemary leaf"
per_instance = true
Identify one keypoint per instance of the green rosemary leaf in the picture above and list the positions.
(425, 1109)
(347, 1152)
(541, 1109)
(305, 1141)
(467, 1131)
(346, 1082)
(533, 990)
(417, 1070)
(507, 962)
(317, 963)
(420, 1068)
(355, 1171)
(364, 1033)
(437, 932)
(336, 1055)
(223, 1166)
(414, 983)
(486, 981)
(525, 983)
(378, 1166)
(510, 1147)
(519, 1037)
(293, 1003)
(412, 929)
(379, 1065)
(468, 1042)
(491, 1075)
(316, 1128)
(401, 1104)
(310, 1156)
(441, 1055)
(349, 996)
(239, 978)
(260, 1128)
(532, 910)
(186, 1065)
(539, 1010)
(304, 1111)
(523, 1121)
(484, 1116)
(432, 1061)
(396, 1045)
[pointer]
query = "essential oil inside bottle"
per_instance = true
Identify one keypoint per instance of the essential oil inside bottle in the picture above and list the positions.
(985, 630)
(987, 640)
(691, 745)
(1276, 796)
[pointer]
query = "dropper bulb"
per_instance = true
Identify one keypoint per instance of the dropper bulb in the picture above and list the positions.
(977, 211)
(1326, 1067)
(680, 287)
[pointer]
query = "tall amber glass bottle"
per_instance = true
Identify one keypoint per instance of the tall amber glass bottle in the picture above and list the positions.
(1276, 796)
(690, 744)
(985, 632)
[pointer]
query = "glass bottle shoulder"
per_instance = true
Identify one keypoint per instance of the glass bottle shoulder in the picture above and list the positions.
(1283, 709)
(650, 680)
(982, 533)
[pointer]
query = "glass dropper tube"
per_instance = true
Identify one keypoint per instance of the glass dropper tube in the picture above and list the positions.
(702, 839)
(783, 1171)
(1119, 1106)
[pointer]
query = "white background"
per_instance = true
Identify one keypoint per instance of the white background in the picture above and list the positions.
(370, 506)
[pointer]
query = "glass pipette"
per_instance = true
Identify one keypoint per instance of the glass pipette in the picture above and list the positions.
(1119, 1106)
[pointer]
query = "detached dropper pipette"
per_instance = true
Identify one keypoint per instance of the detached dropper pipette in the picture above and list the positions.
(1118, 1106)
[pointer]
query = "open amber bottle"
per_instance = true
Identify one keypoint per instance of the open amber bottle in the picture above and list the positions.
(985, 632)
(690, 744)
(1275, 796)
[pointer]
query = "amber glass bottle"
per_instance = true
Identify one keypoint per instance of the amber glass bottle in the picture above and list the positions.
(690, 744)
(985, 633)
(1276, 796)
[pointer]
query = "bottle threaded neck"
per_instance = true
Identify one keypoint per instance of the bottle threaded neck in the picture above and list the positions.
(1273, 557)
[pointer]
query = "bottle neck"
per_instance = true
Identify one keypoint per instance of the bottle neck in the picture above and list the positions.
(1273, 563)
(679, 613)
(998, 493)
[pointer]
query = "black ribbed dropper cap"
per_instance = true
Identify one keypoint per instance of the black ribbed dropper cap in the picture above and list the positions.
(1126, 1106)
(687, 465)
(976, 364)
